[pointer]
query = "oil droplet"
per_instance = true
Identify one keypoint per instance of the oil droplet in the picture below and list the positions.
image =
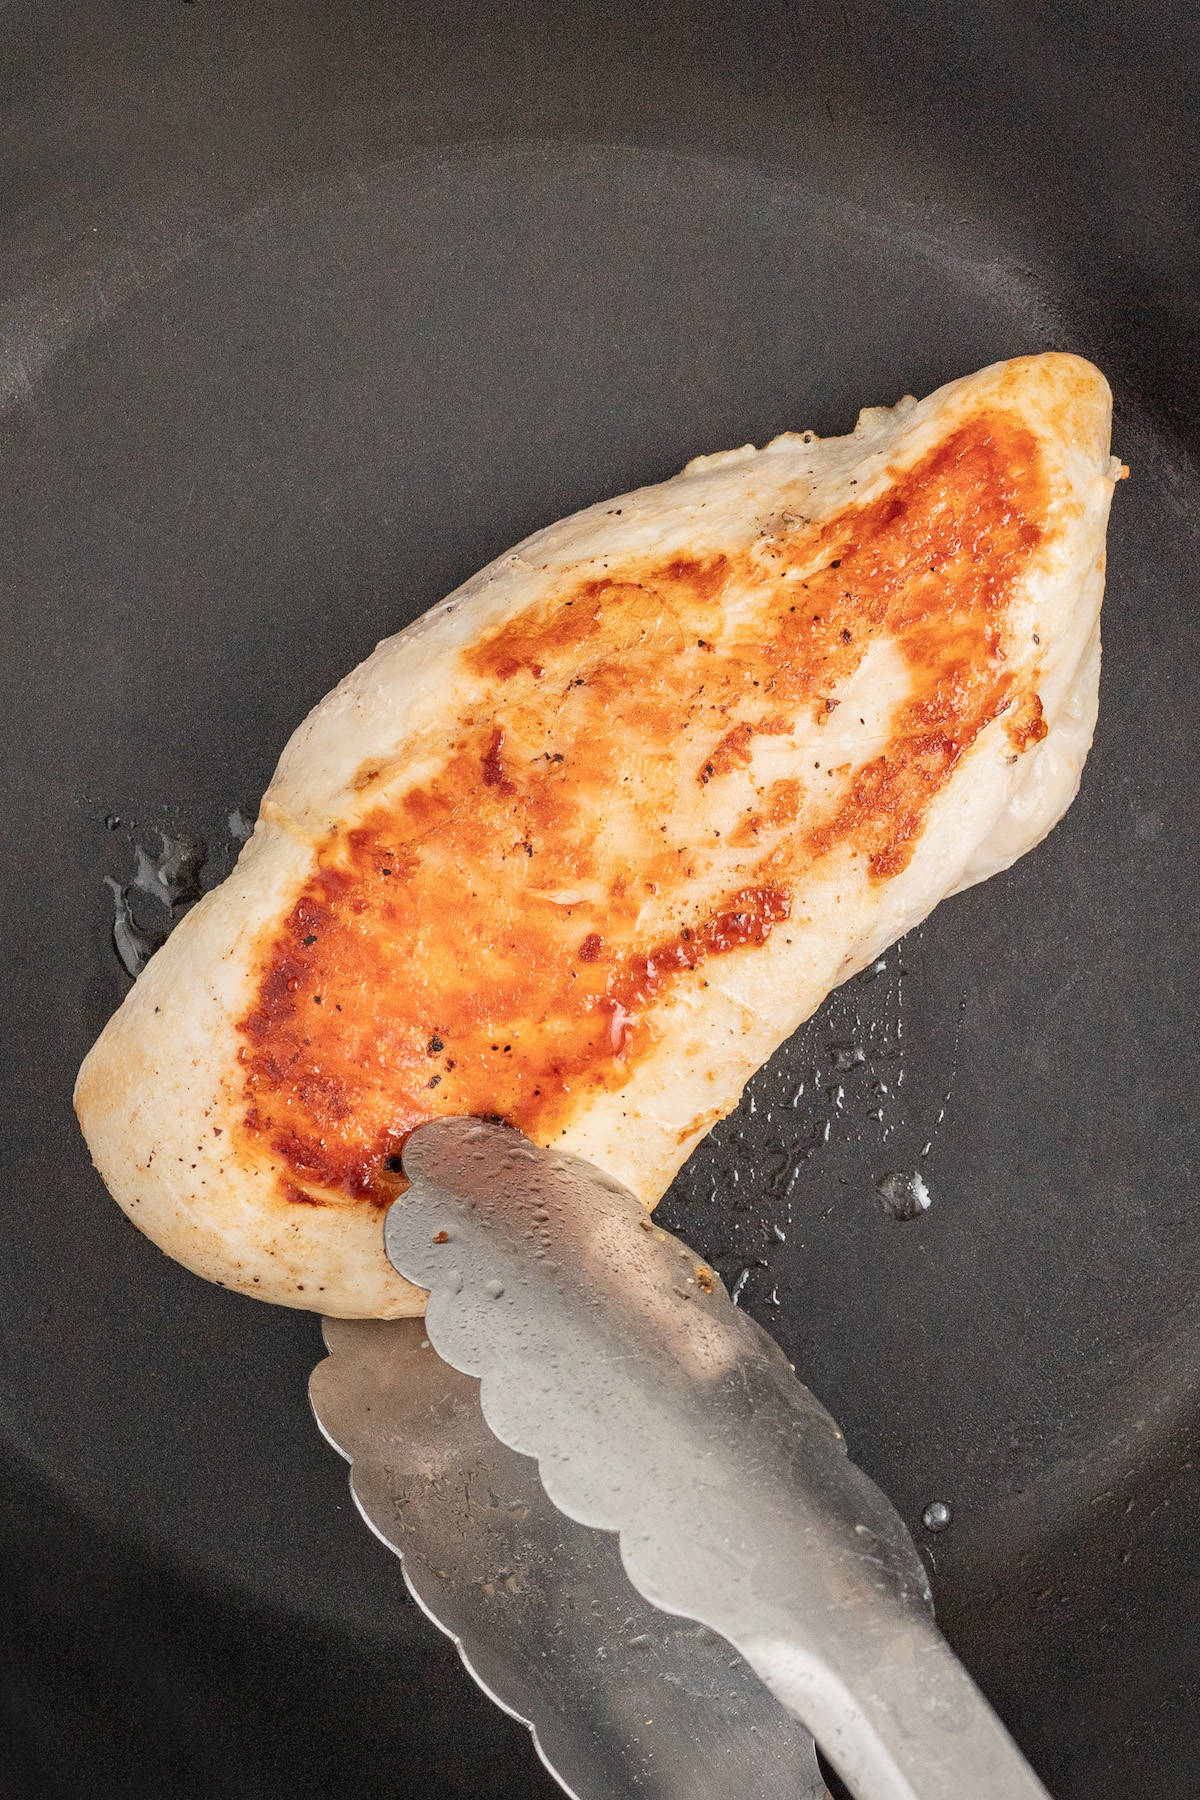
(904, 1193)
(937, 1516)
(170, 882)
(134, 947)
(173, 876)
(493, 1288)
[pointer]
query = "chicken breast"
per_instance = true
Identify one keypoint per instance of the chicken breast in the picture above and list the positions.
(584, 844)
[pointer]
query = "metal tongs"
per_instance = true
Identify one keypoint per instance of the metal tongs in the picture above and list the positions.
(765, 1592)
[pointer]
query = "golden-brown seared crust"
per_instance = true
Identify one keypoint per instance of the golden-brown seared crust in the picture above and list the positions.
(432, 964)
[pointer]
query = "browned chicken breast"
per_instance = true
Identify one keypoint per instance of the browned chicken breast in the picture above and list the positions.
(583, 845)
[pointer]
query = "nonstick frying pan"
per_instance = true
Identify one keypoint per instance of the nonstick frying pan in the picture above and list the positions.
(310, 309)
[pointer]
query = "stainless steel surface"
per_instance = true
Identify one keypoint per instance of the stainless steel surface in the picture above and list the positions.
(657, 1409)
(623, 1699)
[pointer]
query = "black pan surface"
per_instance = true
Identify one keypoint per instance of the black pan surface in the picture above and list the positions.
(309, 311)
